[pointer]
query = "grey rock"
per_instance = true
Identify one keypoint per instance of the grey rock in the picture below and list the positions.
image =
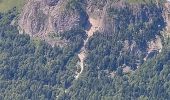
(39, 18)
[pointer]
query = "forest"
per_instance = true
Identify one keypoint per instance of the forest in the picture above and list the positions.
(32, 69)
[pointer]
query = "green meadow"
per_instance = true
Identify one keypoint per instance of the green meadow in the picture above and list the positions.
(6, 5)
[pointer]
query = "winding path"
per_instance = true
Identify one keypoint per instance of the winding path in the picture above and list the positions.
(95, 25)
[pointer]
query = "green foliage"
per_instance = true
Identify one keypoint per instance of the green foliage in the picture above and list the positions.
(150, 81)
(6, 5)
(105, 49)
(32, 69)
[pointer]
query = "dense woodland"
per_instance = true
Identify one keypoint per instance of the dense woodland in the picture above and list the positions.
(32, 69)
(105, 49)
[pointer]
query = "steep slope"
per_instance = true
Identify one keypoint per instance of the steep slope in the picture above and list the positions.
(120, 49)
(130, 23)
(40, 18)
(95, 25)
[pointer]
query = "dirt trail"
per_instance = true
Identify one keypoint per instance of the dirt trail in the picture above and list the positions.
(95, 25)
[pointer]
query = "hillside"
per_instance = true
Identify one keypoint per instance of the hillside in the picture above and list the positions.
(85, 50)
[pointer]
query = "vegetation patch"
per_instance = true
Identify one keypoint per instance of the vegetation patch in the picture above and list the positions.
(6, 5)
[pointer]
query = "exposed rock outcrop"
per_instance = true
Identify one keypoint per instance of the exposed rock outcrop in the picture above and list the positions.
(39, 18)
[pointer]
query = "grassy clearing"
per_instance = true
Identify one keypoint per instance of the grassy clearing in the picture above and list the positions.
(6, 5)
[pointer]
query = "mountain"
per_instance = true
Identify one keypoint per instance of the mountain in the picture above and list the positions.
(85, 50)
(135, 25)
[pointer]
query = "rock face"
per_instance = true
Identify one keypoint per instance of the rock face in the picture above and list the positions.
(41, 17)
(167, 15)
(45, 16)
(131, 23)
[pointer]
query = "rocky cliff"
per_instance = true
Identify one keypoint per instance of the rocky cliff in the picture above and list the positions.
(130, 22)
(42, 17)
